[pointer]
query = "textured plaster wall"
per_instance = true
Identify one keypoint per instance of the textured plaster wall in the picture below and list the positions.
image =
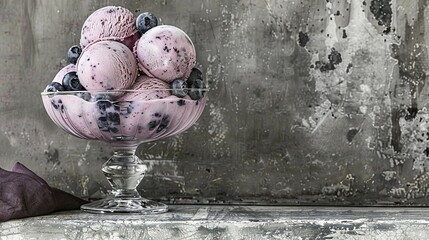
(320, 101)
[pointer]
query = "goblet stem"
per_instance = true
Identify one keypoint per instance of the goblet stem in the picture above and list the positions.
(124, 171)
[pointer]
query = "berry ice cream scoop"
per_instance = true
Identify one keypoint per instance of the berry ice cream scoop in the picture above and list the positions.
(166, 52)
(106, 65)
(110, 23)
(155, 89)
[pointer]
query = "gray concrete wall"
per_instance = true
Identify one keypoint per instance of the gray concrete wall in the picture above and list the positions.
(311, 101)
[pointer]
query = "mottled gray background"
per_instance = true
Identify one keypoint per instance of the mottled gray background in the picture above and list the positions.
(311, 102)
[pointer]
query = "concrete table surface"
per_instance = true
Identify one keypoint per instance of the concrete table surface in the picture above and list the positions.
(229, 222)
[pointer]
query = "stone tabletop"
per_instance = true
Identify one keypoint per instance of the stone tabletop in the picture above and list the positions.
(229, 222)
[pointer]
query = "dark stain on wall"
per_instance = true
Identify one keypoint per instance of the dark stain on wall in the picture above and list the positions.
(303, 39)
(351, 134)
(382, 11)
(426, 152)
(52, 156)
(411, 113)
(349, 67)
(334, 58)
(396, 130)
(344, 33)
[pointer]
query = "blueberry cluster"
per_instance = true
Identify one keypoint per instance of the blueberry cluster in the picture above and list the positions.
(70, 81)
(193, 86)
(108, 118)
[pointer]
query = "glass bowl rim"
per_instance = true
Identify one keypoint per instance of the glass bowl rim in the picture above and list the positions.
(44, 93)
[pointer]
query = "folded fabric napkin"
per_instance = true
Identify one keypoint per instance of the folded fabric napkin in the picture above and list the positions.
(24, 194)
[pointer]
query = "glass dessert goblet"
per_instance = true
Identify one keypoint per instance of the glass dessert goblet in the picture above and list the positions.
(124, 119)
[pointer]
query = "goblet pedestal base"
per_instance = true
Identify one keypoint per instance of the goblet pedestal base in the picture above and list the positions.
(125, 205)
(124, 171)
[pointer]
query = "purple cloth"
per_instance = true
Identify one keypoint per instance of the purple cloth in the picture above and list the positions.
(24, 194)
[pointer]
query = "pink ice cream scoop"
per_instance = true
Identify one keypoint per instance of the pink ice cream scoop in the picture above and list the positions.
(60, 75)
(166, 52)
(110, 23)
(106, 65)
(149, 89)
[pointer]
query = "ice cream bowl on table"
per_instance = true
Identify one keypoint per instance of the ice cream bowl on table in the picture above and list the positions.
(124, 119)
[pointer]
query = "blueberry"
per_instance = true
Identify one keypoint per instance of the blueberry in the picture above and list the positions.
(84, 95)
(196, 84)
(146, 21)
(181, 102)
(130, 109)
(71, 82)
(177, 87)
(163, 124)
(54, 87)
(114, 129)
(153, 124)
(58, 105)
(54, 104)
(73, 54)
(103, 96)
(114, 118)
(126, 110)
(196, 89)
(102, 123)
(103, 105)
(195, 74)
